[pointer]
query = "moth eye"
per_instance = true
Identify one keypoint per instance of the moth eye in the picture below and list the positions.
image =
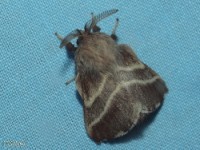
(79, 40)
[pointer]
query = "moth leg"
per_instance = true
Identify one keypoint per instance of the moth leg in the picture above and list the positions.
(95, 28)
(113, 35)
(69, 45)
(71, 80)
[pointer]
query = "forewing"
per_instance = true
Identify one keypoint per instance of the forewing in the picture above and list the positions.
(145, 84)
(115, 102)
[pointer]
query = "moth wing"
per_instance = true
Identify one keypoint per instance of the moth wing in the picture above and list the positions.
(115, 103)
(143, 82)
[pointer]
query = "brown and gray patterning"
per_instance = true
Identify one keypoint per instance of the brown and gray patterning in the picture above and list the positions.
(118, 90)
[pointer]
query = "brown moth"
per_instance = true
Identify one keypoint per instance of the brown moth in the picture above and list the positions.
(118, 90)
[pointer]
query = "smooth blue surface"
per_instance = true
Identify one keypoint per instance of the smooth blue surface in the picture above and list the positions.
(38, 111)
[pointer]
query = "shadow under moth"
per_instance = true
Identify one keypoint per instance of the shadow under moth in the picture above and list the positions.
(118, 90)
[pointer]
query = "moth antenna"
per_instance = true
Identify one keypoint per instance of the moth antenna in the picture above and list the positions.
(58, 36)
(113, 35)
(95, 19)
(92, 14)
(115, 27)
(71, 80)
(68, 38)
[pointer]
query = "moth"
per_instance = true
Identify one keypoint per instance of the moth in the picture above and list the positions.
(118, 90)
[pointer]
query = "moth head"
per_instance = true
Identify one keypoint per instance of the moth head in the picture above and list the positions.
(90, 27)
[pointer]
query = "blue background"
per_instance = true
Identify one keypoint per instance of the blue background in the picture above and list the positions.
(37, 109)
